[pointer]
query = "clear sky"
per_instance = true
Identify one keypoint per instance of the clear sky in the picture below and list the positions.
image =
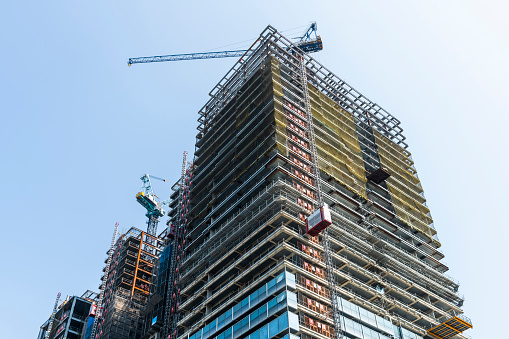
(78, 127)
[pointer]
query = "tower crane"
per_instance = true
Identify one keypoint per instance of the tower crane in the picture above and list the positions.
(306, 43)
(149, 200)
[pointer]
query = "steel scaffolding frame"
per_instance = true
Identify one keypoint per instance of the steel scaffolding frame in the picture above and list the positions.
(369, 246)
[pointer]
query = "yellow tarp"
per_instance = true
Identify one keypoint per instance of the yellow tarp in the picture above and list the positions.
(404, 186)
(337, 142)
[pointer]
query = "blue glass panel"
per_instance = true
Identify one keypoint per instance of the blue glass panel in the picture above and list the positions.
(272, 306)
(264, 332)
(262, 292)
(283, 321)
(262, 313)
(228, 333)
(253, 318)
(253, 298)
(273, 328)
(228, 316)
(271, 287)
(236, 309)
(245, 305)
(281, 297)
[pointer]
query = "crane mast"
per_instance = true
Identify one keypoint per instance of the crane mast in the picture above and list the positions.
(52, 318)
(169, 330)
(103, 285)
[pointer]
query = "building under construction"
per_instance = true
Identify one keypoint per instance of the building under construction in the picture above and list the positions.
(300, 216)
(127, 284)
(72, 318)
(281, 137)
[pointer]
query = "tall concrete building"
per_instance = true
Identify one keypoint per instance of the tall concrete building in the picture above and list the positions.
(280, 137)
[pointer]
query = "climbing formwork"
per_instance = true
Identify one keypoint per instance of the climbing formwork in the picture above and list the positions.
(240, 211)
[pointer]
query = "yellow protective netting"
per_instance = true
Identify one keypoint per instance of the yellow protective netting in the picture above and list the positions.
(279, 117)
(337, 143)
(404, 186)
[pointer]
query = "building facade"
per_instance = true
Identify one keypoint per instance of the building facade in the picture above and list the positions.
(280, 136)
(72, 318)
(128, 284)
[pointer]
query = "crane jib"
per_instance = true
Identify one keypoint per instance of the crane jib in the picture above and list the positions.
(191, 56)
(305, 44)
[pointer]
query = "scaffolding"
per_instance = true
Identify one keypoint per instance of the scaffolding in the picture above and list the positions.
(279, 136)
(127, 284)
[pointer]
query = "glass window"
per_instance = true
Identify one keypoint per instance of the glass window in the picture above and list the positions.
(228, 316)
(262, 313)
(283, 322)
(371, 319)
(350, 308)
(255, 335)
(236, 310)
(353, 327)
(244, 325)
(262, 292)
(280, 277)
(369, 333)
(236, 329)
(281, 282)
(228, 333)
(281, 297)
(245, 305)
(264, 332)
(273, 328)
(271, 286)
(253, 298)
(364, 314)
(272, 306)
(253, 319)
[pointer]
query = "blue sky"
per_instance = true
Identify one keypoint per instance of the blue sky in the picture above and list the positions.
(78, 127)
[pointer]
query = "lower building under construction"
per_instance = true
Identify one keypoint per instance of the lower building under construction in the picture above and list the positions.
(73, 318)
(281, 137)
(127, 285)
